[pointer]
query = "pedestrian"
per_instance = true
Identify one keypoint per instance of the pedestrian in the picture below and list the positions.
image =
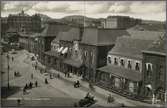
(46, 81)
(110, 99)
(15, 73)
(31, 76)
(24, 90)
(18, 101)
(68, 75)
(58, 75)
(26, 86)
(50, 76)
(35, 67)
(12, 58)
(30, 85)
(36, 83)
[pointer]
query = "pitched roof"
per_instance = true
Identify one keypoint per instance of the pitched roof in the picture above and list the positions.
(122, 72)
(146, 35)
(70, 35)
(52, 29)
(130, 47)
(101, 37)
(157, 47)
(12, 30)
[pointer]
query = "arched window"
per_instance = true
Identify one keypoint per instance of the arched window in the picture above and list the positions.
(129, 64)
(148, 69)
(122, 62)
(109, 59)
(115, 61)
(137, 67)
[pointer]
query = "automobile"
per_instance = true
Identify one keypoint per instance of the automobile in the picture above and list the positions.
(87, 101)
(32, 58)
(13, 51)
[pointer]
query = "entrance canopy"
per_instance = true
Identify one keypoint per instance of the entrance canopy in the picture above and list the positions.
(74, 63)
(122, 72)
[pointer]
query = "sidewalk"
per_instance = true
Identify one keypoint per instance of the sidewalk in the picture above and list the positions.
(101, 92)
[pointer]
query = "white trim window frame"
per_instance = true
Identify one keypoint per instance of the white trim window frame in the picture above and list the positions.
(109, 57)
(151, 65)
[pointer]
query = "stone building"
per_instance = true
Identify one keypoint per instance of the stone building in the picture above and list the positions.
(120, 22)
(123, 72)
(23, 40)
(24, 23)
(4, 26)
(62, 55)
(95, 44)
(154, 71)
(45, 38)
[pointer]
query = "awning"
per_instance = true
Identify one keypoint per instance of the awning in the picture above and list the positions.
(122, 72)
(149, 86)
(74, 63)
(65, 50)
(52, 53)
(60, 49)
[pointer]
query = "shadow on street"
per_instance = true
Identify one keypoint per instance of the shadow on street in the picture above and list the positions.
(5, 92)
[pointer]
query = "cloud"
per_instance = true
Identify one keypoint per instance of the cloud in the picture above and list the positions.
(15, 6)
(91, 8)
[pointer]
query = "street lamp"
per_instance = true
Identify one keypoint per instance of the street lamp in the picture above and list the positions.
(8, 67)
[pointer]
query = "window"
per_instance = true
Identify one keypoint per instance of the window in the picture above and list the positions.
(149, 66)
(86, 53)
(161, 75)
(137, 66)
(148, 69)
(109, 59)
(122, 62)
(115, 61)
(129, 64)
(131, 87)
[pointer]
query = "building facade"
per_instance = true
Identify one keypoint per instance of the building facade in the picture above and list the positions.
(95, 45)
(45, 38)
(24, 23)
(120, 22)
(154, 71)
(123, 72)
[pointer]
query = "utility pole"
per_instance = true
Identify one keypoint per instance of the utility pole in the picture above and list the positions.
(8, 67)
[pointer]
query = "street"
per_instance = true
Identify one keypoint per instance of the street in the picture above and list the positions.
(59, 92)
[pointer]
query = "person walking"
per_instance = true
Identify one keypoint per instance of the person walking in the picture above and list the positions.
(46, 81)
(31, 76)
(110, 99)
(24, 90)
(36, 84)
(18, 101)
(12, 58)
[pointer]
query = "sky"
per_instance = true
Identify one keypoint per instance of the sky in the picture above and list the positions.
(149, 10)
